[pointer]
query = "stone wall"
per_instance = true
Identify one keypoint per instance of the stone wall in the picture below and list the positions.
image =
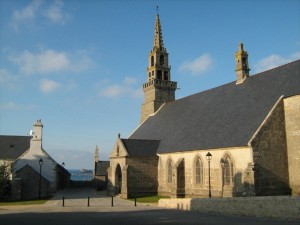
(292, 125)
(242, 179)
(111, 172)
(155, 95)
(270, 155)
(142, 176)
(30, 183)
(275, 206)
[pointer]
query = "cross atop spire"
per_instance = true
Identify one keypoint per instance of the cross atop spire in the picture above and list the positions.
(158, 40)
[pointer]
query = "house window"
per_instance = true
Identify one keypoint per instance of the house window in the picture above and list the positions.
(199, 171)
(227, 170)
(169, 169)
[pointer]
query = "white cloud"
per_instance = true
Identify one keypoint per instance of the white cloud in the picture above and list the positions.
(198, 65)
(55, 13)
(9, 105)
(15, 106)
(273, 61)
(47, 86)
(129, 81)
(50, 61)
(38, 9)
(125, 89)
(9, 81)
(26, 14)
(3, 76)
(113, 91)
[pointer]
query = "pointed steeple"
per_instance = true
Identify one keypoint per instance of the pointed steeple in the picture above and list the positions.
(159, 87)
(96, 156)
(158, 42)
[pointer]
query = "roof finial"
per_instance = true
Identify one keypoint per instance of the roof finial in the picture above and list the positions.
(157, 9)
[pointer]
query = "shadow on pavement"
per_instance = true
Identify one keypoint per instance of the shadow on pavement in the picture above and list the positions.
(146, 217)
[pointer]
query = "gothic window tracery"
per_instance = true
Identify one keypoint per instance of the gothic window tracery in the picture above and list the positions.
(169, 171)
(199, 171)
(227, 170)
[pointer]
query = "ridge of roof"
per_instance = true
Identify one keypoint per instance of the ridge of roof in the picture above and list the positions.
(133, 139)
(276, 68)
(262, 73)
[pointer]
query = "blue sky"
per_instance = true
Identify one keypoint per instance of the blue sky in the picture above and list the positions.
(80, 65)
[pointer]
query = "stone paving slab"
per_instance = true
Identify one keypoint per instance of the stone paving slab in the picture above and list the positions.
(79, 198)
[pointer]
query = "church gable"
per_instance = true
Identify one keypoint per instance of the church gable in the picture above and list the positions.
(119, 149)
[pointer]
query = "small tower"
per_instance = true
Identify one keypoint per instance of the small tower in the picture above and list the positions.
(96, 160)
(159, 88)
(242, 66)
(96, 156)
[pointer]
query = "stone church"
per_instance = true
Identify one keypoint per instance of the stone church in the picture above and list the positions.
(238, 139)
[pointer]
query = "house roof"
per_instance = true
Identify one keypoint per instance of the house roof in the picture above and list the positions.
(225, 116)
(141, 148)
(101, 168)
(12, 147)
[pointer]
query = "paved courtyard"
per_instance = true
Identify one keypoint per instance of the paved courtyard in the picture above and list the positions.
(100, 211)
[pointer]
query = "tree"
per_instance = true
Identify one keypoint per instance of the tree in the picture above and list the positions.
(5, 183)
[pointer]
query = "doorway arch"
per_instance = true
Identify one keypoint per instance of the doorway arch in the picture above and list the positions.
(118, 180)
(181, 179)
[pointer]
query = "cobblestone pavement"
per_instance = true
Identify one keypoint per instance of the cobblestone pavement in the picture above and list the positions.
(100, 211)
(79, 198)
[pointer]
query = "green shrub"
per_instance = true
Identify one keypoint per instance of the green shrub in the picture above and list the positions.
(5, 183)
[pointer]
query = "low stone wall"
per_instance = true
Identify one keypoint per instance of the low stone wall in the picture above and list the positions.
(276, 206)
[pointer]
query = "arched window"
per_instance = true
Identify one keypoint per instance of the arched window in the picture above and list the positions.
(169, 170)
(161, 60)
(199, 171)
(227, 170)
(152, 60)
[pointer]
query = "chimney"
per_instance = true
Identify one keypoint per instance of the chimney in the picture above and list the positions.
(37, 135)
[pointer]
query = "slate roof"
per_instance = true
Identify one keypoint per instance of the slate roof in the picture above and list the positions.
(12, 147)
(101, 168)
(225, 116)
(141, 148)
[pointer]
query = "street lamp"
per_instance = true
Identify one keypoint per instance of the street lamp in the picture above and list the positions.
(209, 157)
(40, 183)
(63, 176)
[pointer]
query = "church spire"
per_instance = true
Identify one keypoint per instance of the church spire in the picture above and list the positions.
(158, 42)
(159, 88)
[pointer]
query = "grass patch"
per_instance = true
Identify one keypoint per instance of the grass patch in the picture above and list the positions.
(149, 199)
(27, 202)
